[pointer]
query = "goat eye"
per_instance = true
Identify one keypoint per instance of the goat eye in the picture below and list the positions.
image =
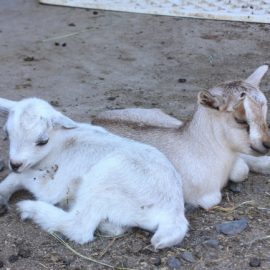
(243, 94)
(42, 142)
(240, 121)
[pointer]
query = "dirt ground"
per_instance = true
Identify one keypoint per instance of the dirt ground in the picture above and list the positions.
(85, 61)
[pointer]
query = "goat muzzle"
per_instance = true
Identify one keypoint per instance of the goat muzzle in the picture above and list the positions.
(15, 166)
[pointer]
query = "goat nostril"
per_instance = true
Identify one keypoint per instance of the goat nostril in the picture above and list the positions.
(266, 145)
(15, 166)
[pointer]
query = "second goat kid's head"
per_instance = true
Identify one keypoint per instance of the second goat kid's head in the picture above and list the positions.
(30, 126)
(241, 109)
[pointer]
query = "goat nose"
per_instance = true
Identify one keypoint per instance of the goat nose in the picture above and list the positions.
(15, 166)
(266, 144)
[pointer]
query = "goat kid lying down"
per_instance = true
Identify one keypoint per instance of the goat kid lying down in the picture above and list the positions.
(229, 119)
(105, 181)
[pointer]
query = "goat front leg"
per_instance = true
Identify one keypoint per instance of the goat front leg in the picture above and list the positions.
(257, 164)
(246, 163)
(239, 171)
(77, 225)
(9, 185)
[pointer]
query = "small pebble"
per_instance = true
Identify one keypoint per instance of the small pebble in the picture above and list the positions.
(13, 258)
(95, 12)
(67, 262)
(24, 253)
(213, 243)
(28, 58)
(111, 98)
(64, 44)
(235, 187)
(156, 261)
(188, 256)
(72, 24)
(255, 262)
(56, 43)
(174, 263)
(232, 227)
(3, 210)
(1, 264)
(54, 103)
(182, 80)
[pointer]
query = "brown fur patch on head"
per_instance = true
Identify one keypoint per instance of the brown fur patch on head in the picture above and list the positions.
(234, 91)
(233, 84)
(235, 88)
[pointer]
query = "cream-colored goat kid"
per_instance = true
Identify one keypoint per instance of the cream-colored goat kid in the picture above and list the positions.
(230, 119)
(104, 180)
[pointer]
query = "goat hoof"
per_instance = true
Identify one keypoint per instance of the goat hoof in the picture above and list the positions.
(26, 209)
(3, 210)
(210, 200)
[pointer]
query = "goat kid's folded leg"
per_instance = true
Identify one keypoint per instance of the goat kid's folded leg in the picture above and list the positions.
(46, 215)
(9, 185)
(210, 200)
(257, 164)
(239, 171)
(75, 225)
(169, 233)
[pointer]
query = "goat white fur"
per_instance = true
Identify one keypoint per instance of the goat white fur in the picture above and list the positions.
(230, 119)
(102, 179)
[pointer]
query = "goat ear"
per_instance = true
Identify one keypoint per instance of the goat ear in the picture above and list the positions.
(62, 121)
(256, 77)
(239, 106)
(6, 105)
(206, 99)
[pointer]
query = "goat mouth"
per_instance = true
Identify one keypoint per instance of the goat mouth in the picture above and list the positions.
(258, 151)
(21, 169)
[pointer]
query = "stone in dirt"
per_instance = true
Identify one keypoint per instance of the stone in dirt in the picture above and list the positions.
(188, 256)
(182, 80)
(24, 253)
(174, 263)
(156, 261)
(255, 262)
(232, 227)
(13, 258)
(235, 187)
(213, 243)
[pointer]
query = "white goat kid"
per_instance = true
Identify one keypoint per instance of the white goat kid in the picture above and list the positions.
(104, 180)
(230, 119)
